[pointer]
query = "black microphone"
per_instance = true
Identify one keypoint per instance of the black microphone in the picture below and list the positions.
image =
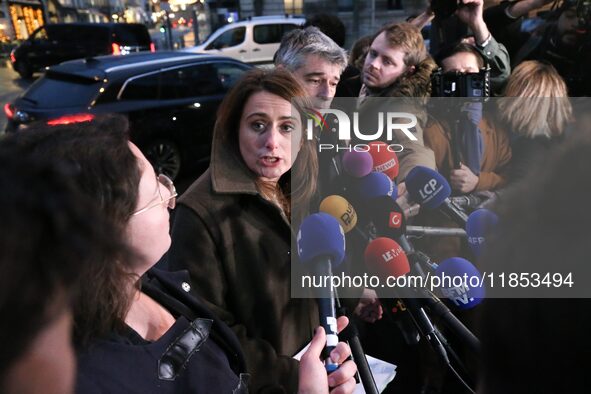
(438, 308)
(389, 221)
(469, 201)
(386, 258)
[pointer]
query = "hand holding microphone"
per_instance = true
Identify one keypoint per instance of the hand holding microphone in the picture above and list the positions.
(312, 375)
(321, 244)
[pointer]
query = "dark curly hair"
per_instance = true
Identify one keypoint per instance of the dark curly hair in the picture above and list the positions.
(102, 166)
(51, 236)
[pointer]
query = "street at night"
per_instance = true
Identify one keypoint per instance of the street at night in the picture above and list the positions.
(11, 85)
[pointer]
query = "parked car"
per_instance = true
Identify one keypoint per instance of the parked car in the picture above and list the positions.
(55, 43)
(170, 98)
(253, 41)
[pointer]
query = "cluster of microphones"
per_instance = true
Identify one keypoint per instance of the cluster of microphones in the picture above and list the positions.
(368, 206)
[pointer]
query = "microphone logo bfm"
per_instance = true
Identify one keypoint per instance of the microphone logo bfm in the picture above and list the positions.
(395, 220)
(458, 295)
(348, 215)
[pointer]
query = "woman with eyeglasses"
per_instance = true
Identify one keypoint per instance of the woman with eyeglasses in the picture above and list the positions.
(139, 329)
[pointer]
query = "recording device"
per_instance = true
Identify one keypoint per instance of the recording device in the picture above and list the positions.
(430, 189)
(321, 244)
(341, 209)
(363, 190)
(479, 226)
(385, 257)
(472, 201)
(398, 264)
(465, 288)
(357, 164)
(384, 160)
(457, 84)
(439, 309)
(443, 9)
(389, 221)
(442, 312)
(387, 217)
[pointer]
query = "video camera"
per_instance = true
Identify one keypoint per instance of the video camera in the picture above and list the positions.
(444, 8)
(456, 84)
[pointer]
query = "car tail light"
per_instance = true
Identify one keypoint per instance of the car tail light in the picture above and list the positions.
(69, 119)
(116, 49)
(152, 47)
(8, 110)
(12, 57)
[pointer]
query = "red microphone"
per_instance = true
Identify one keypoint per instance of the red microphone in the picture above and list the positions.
(386, 257)
(384, 160)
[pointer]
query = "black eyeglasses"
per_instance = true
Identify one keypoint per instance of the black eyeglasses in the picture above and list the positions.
(170, 200)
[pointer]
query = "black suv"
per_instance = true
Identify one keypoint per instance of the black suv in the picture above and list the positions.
(170, 98)
(55, 43)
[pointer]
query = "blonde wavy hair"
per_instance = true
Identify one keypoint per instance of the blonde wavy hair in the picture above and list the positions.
(536, 101)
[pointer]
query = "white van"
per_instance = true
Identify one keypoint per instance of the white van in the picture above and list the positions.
(253, 41)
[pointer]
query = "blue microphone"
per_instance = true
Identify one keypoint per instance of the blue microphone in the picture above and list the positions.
(480, 224)
(374, 184)
(430, 189)
(321, 244)
(461, 282)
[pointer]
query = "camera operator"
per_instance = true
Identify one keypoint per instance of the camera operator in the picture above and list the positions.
(470, 13)
(564, 40)
(482, 151)
(470, 152)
